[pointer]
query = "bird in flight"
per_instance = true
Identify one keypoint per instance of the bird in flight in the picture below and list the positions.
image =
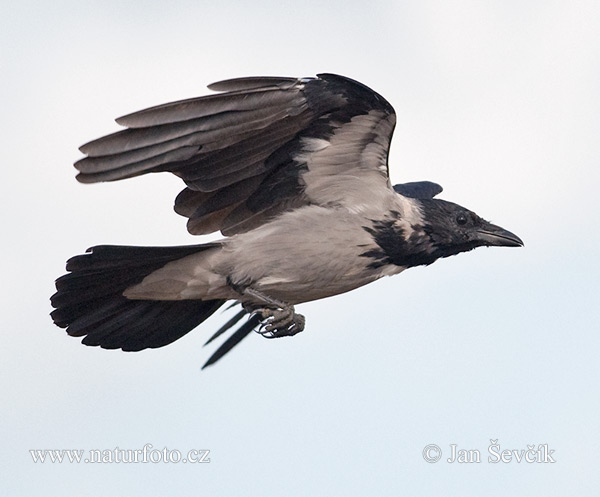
(294, 173)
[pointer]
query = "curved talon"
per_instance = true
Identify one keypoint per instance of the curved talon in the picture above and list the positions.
(263, 331)
(279, 322)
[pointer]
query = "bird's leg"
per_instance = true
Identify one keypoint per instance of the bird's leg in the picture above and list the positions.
(279, 319)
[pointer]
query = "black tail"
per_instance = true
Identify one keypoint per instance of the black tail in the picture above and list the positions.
(89, 299)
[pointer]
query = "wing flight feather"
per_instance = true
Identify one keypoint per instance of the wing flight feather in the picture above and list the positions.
(263, 146)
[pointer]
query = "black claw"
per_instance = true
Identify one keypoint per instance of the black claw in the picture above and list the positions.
(279, 322)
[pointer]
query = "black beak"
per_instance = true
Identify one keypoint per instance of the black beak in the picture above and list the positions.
(492, 235)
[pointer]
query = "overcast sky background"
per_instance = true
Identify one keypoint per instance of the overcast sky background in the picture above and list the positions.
(496, 100)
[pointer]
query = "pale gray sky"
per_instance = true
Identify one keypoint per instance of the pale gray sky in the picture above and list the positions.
(496, 100)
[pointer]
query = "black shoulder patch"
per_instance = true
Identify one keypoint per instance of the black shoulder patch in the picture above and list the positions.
(356, 92)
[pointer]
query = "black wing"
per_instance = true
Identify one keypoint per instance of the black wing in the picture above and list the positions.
(263, 146)
(418, 189)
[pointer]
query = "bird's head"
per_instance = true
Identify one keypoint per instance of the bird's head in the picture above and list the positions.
(452, 229)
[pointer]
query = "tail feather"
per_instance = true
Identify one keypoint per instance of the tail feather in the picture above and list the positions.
(229, 324)
(239, 334)
(89, 300)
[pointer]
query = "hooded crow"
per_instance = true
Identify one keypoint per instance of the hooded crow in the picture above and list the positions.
(294, 173)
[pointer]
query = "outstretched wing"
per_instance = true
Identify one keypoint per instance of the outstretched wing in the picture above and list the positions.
(262, 146)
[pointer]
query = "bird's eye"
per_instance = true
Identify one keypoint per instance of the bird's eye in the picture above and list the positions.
(461, 219)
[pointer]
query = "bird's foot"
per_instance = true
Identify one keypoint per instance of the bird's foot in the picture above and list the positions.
(278, 319)
(280, 322)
